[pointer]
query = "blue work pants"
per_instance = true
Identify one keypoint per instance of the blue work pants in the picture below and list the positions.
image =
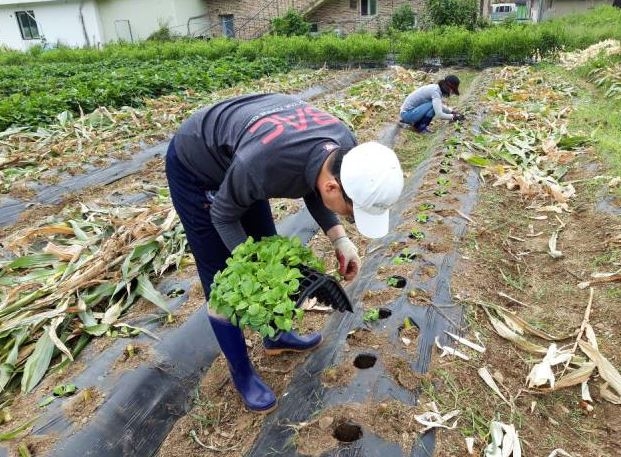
(191, 200)
(420, 116)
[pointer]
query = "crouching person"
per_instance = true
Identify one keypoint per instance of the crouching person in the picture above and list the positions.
(425, 103)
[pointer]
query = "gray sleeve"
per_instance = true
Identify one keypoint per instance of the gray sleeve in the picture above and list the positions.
(237, 193)
(324, 217)
(438, 108)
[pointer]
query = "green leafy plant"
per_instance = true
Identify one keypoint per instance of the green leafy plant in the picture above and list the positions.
(371, 315)
(405, 256)
(453, 12)
(422, 217)
(417, 234)
(392, 281)
(443, 184)
(260, 282)
(426, 206)
(64, 390)
(403, 19)
(291, 24)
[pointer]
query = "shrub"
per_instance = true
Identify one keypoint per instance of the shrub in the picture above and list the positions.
(403, 19)
(291, 24)
(453, 12)
(162, 34)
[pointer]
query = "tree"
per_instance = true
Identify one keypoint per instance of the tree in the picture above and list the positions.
(403, 19)
(461, 13)
(291, 24)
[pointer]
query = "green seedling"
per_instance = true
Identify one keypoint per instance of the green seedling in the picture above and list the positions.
(400, 260)
(392, 281)
(404, 257)
(64, 390)
(123, 332)
(130, 350)
(256, 288)
(443, 182)
(371, 315)
(426, 206)
(175, 292)
(422, 217)
(440, 192)
(417, 234)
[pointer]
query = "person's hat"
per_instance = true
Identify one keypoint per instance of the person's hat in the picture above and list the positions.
(453, 82)
(371, 176)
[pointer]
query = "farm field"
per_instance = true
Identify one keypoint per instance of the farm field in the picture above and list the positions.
(507, 233)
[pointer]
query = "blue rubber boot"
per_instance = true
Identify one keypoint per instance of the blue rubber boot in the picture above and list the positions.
(291, 342)
(256, 395)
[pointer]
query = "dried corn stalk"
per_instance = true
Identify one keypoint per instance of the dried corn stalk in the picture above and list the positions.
(93, 267)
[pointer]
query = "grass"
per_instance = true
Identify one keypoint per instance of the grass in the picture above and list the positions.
(601, 121)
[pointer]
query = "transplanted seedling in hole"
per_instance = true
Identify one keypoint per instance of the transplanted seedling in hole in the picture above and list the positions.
(426, 206)
(371, 315)
(443, 184)
(405, 256)
(61, 390)
(416, 234)
(396, 281)
(64, 390)
(422, 217)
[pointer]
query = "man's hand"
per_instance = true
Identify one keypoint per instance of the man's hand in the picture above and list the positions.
(347, 255)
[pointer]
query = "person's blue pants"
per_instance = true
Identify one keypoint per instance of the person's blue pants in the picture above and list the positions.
(191, 200)
(420, 117)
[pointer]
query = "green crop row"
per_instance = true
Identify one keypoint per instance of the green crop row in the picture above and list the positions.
(511, 42)
(34, 96)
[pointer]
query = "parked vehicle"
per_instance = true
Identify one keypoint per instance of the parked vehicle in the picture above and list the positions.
(510, 11)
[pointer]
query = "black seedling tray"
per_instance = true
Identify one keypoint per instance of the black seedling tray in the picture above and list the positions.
(323, 287)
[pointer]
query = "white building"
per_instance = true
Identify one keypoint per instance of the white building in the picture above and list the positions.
(79, 23)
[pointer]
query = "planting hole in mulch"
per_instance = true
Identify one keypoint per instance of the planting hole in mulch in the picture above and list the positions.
(364, 361)
(408, 256)
(175, 292)
(384, 313)
(347, 432)
(396, 281)
(408, 323)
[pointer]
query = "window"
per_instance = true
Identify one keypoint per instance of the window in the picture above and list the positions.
(227, 21)
(27, 25)
(368, 7)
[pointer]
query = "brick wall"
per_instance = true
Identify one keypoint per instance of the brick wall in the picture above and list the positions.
(344, 15)
(254, 16)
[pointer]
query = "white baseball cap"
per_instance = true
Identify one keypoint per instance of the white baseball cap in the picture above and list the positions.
(371, 176)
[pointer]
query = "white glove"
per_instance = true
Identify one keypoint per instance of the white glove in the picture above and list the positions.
(347, 255)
